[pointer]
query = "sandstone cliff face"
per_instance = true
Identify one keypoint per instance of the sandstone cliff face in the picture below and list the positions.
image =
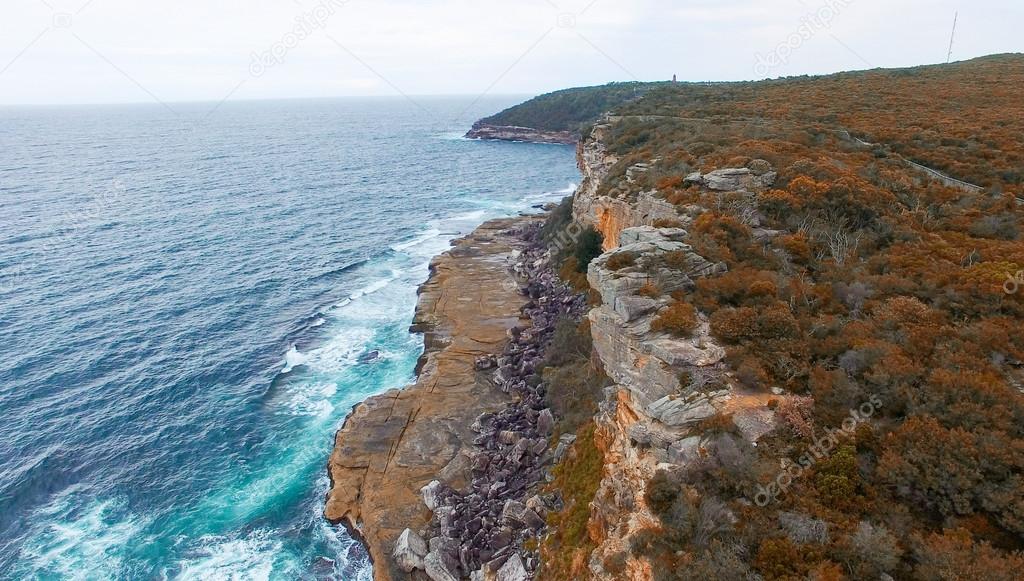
(649, 415)
(610, 216)
(664, 385)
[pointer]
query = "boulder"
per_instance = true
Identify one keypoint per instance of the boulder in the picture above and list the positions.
(614, 284)
(533, 520)
(650, 234)
(686, 352)
(760, 166)
(484, 362)
(677, 411)
(501, 539)
(685, 451)
(545, 422)
(639, 433)
(410, 550)
(512, 513)
(430, 494)
(513, 570)
(439, 568)
(564, 442)
(633, 307)
(738, 178)
(537, 505)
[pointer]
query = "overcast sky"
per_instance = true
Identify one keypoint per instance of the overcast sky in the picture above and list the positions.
(102, 51)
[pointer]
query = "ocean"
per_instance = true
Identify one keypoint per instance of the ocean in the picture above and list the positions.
(193, 297)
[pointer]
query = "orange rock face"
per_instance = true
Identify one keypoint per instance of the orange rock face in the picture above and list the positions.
(393, 444)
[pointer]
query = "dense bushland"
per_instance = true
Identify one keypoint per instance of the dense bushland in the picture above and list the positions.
(856, 278)
(569, 109)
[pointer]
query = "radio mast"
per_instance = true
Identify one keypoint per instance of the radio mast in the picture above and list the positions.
(949, 54)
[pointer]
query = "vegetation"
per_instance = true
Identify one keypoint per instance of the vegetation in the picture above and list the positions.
(973, 114)
(588, 247)
(621, 260)
(574, 382)
(876, 282)
(573, 246)
(569, 109)
(565, 551)
(574, 388)
(856, 278)
(679, 319)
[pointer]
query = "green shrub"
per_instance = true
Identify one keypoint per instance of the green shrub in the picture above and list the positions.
(571, 275)
(570, 343)
(588, 247)
(662, 491)
(558, 221)
(577, 478)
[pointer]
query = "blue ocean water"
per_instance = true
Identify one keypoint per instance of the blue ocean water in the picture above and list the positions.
(191, 301)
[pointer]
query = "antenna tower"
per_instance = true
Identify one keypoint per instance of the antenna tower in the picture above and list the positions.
(949, 54)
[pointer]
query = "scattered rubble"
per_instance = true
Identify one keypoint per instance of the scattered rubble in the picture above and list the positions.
(479, 533)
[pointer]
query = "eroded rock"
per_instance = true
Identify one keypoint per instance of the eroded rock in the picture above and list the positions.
(410, 550)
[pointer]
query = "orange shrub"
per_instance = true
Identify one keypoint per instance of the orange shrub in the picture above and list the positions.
(621, 260)
(679, 319)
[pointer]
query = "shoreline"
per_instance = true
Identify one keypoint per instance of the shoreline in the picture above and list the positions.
(516, 134)
(392, 444)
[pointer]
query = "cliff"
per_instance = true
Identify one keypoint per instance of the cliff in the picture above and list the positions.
(792, 321)
(666, 386)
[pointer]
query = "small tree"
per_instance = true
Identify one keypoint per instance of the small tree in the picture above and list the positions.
(588, 247)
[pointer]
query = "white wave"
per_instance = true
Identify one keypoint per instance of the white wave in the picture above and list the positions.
(293, 358)
(349, 557)
(472, 215)
(220, 558)
(453, 136)
(340, 352)
(431, 233)
(89, 545)
(310, 399)
(376, 285)
(553, 196)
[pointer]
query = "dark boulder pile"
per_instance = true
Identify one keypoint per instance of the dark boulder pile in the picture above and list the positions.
(480, 533)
